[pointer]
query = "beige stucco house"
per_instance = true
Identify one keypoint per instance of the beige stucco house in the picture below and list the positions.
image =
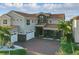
(27, 26)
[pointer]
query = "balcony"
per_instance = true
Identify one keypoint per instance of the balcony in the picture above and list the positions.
(41, 25)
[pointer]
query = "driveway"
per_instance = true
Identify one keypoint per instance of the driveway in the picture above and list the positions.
(40, 46)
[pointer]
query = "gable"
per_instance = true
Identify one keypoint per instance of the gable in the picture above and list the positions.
(5, 16)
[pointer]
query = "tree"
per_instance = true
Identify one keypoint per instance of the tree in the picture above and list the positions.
(64, 26)
(66, 39)
(4, 35)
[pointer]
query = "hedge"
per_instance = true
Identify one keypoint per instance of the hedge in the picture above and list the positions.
(14, 52)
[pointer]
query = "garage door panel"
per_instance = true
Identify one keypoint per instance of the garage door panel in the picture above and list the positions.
(30, 35)
(14, 38)
(21, 38)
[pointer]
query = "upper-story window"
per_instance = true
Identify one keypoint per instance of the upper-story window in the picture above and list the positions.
(50, 21)
(17, 19)
(41, 17)
(28, 22)
(32, 21)
(4, 21)
(20, 19)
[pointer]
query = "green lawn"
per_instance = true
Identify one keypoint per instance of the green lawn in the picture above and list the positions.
(15, 52)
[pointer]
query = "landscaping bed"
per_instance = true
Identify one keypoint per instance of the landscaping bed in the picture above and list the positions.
(13, 51)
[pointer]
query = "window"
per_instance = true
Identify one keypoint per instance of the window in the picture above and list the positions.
(41, 16)
(28, 22)
(17, 19)
(4, 21)
(50, 21)
(20, 19)
(32, 21)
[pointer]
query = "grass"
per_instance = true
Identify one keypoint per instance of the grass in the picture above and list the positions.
(14, 52)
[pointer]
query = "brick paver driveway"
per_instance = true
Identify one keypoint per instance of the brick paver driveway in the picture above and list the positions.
(40, 46)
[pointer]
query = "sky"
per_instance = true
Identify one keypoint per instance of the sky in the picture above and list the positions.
(69, 9)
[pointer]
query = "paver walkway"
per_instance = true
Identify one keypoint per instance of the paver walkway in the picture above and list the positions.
(40, 46)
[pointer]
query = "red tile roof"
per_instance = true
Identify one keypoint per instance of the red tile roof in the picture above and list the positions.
(58, 16)
(77, 18)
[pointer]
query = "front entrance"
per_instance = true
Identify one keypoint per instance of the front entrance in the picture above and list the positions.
(39, 31)
(52, 34)
(21, 37)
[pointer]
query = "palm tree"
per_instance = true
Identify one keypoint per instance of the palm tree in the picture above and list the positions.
(66, 28)
(4, 35)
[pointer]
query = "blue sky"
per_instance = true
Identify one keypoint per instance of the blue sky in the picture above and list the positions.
(69, 9)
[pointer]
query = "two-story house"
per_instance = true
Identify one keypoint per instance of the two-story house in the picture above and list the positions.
(27, 26)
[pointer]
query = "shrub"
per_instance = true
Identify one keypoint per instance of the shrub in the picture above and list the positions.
(14, 52)
(19, 51)
(76, 47)
(66, 48)
(76, 52)
(70, 37)
(4, 52)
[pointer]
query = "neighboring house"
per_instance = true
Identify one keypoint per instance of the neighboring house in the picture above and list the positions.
(75, 22)
(27, 26)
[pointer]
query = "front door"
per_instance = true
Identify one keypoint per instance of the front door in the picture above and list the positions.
(21, 37)
(39, 31)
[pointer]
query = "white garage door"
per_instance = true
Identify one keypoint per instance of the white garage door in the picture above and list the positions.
(14, 38)
(30, 35)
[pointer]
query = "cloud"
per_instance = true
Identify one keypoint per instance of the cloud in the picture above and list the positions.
(2, 7)
(61, 7)
(67, 8)
(34, 6)
(14, 4)
(53, 7)
(21, 5)
(47, 7)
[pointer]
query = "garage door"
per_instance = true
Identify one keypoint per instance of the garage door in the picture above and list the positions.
(30, 35)
(21, 37)
(14, 38)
